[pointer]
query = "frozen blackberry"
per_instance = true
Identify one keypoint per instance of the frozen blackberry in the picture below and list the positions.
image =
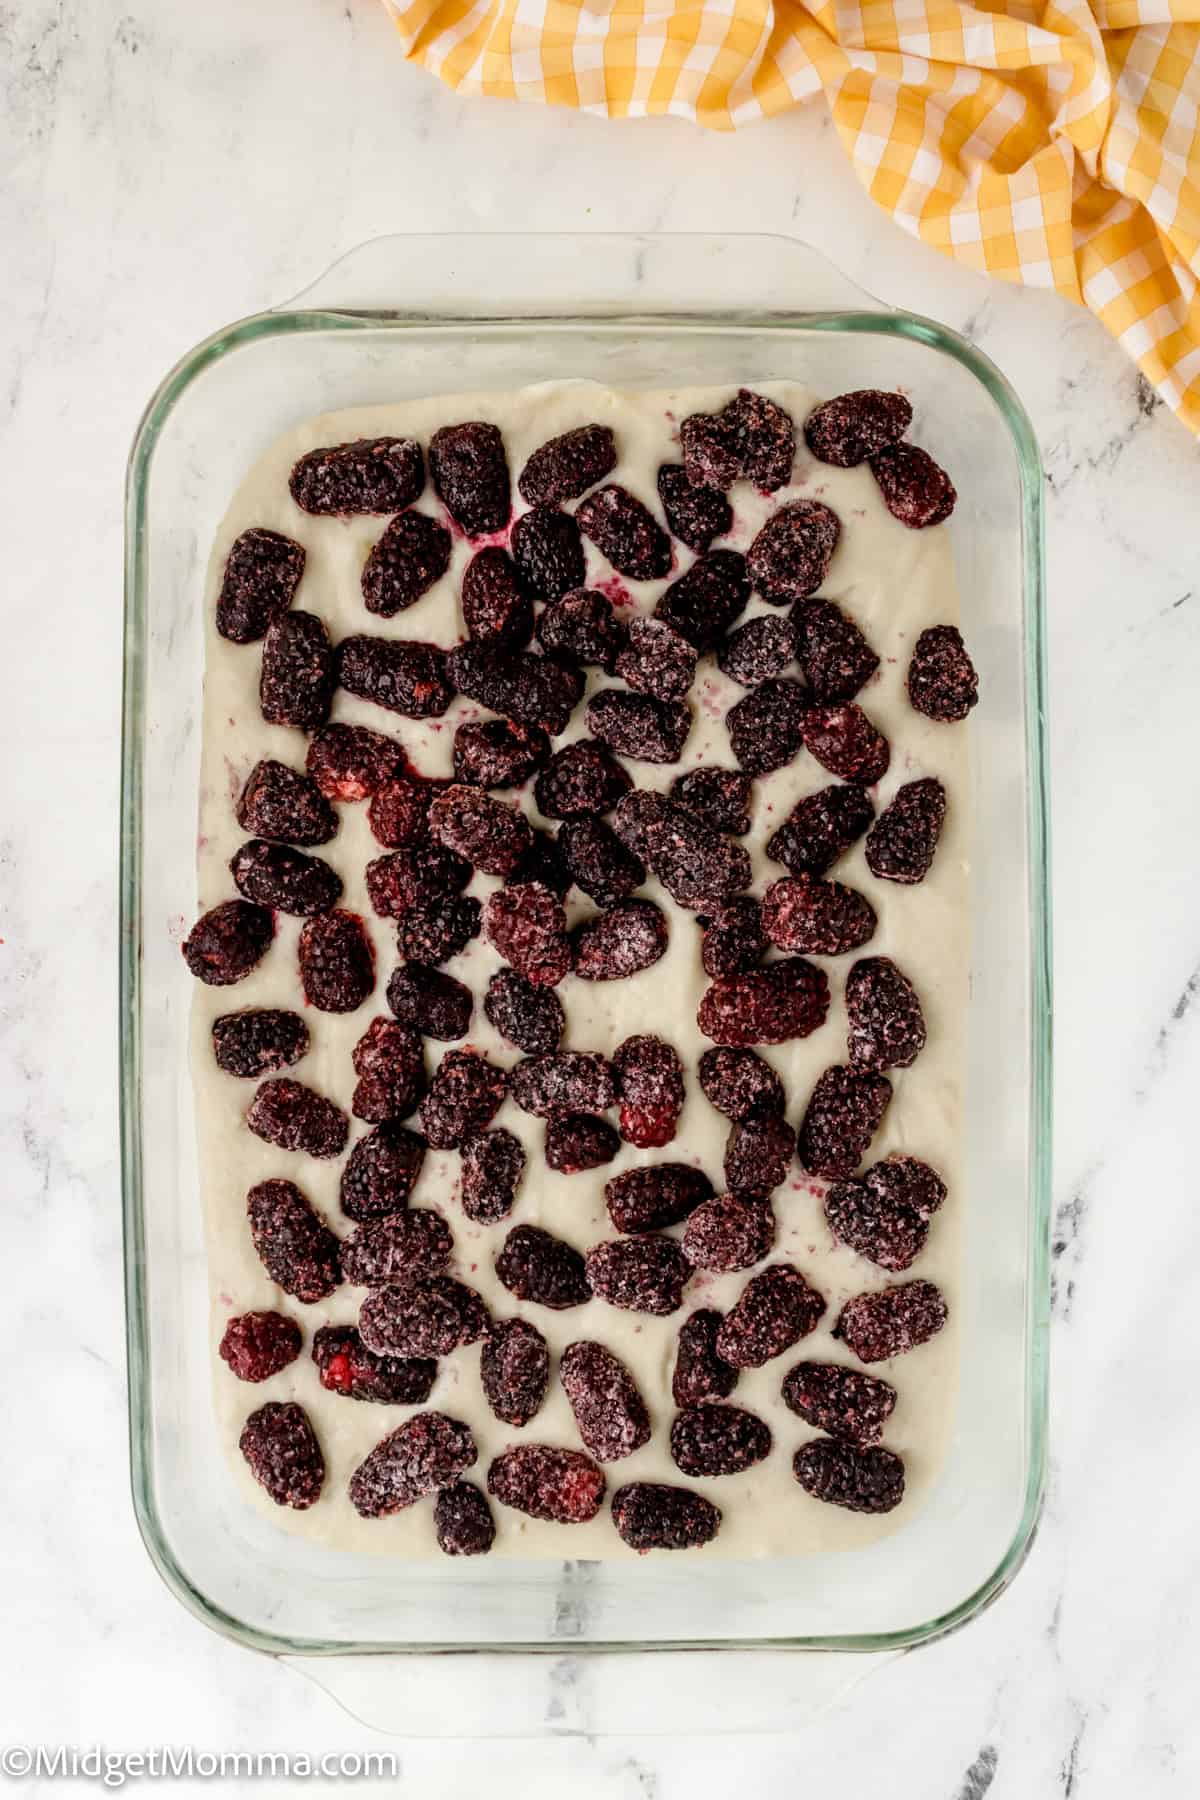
(751, 439)
(655, 1195)
(514, 1368)
(844, 741)
(275, 875)
(718, 1439)
(431, 1316)
(568, 465)
(398, 812)
(844, 1112)
(528, 926)
(549, 553)
(845, 1403)
(345, 1366)
(371, 475)
(886, 1024)
(638, 725)
(349, 762)
(775, 1310)
(464, 1096)
(846, 431)
(567, 1081)
(257, 1345)
(766, 728)
(424, 1454)
(470, 474)
(389, 1060)
(609, 1411)
(695, 514)
(817, 918)
(337, 962)
(283, 1455)
(622, 942)
(703, 603)
(415, 875)
(463, 1520)
(730, 1231)
(942, 682)
(433, 934)
(225, 944)
(431, 1001)
(396, 1248)
(626, 533)
(495, 607)
(533, 690)
(701, 1374)
(563, 1486)
(721, 797)
(544, 864)
(864, 1481)
(696, 864)
(262, 573)
(527, 1013)
(758, 1154)
(739, 1083)
(495, 753)
(639, 1274)
(532, 1265)
(820, 829)
(789, 558)
(412, 553)
(915, 490)
(381, 1172)
(579, 780)
(493, 1163)
(288, 808)
(834, 655)
(492, 836)
(583, 628)
(901, 843)
(758, 650)
(885, 1215)
(293, 1117)
(295, 1247)
(733, 939)
(599, 862)
(576, 1142)
(892, 1322)
(257, 1042)
(650, 1077)
(786, 999)
(297, 681)
(404, 676)
(657, 660)
(652, 1515)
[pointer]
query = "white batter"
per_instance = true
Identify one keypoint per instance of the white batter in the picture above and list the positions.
(892, 582)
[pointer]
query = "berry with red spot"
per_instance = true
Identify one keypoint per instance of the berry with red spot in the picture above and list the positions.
(533, 690)
(433, 934)
(257, 1345)
(295, 1247)
(283, 1455)
(495, 753)
(695, 514)
(844, 741)
(766, 727)
(424, 1454)
(609, 1411)
(864, 1481)
(527, 925)
(275, 875)
(298, 677)
(413, 876)
(396, 1248)
(463, 1520)
(783, 1000)
(844, 1112)
(885, 1215)
(820, 829)
(582, 628)
(657, 660)
(638, 725)
(847, 1404)
(739, 1083)
(696, 864)
(262, 573)
(528, 1014)
(285, 806)
(470, 475)
(730, 1231)
(758, 1154)
(789, 558)
(599, 862)
(431, 1001)
(337, 962)
(622, 942)
(733, 939)
(901, 843)
(849, 429)
(702, 603)
(639, 1274)
(293, 1117)
(721, 797)
(349, 762)
(580, 780)
(381, 1172)
(514, 1368)
(431, 1316)
(345, 1366)
(653, 1515)
(758, 650)
(495, 607)
(225, 944)
(563, 1486)
(817, 918)
(886, 1024)
(257, 1042)
(718, 1439)
(942, 682)
(412, 553)
(835, 656)
(492, 836)
(650, 1077)
(626, 533)
(655, 1195)
(535, 1266)
(370, 475)
(565, 1081)
(464, 1096)
(576, 1142)
(389, 1060)
(549, 553)
(402, 675)
(774, 1311)
(701, 1372)
(568, 465)
(493, 1163)
(915, 489)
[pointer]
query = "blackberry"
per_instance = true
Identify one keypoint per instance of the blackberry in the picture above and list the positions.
(834, 655)
(843, 1114)
(381, 1172)
(549, 554)
(292, 1117)
(655, 1195)
(431, 1001)
(942, 682)
(626, 533)
(225, 944)
(609, 1411)
(349, 762)
(702, 604)
(396, 1248)
(915, 490)
(758, 1154)
(495, 607)
(886, 1024)
(731, 1231)
(568, 465)
(495, 753)
(463, 1520)
(464, 1097)
(427, 1452)
(431, 1316)
(283, 1455)
(696, 515)
(257, 1042)
(514, 1368)
(295, 1247)
(371, 475)
(493, 1163)
(337, 962)
(650, 1078)
(433, 934)
(399, 674)
(414, 876)
(721, 797)
(758, 650)
(412, 554)
(733, 939)
(345, 1366)
(599, 863)
(820, 829)
(657, 660)
(389, 1060)
(901, 843)
(865, 1481)
(532, 690)
(288, 808)
(701, 1373)
(528, 926)
(639, 1274)
(580, 780)
(470, 475)
(563, 1486)
(783, 1000)
(638, 725)
(528, 1014)
(846, 431)
(718, 1439)
(621, 942)
(844, 741)
(275, 875)
(817, 918)
(532, 1265)
(766, 728)
(262, 573)
(257, 1345)
(297, 681)
(845, 1403)
(582, 627)
(775, 1310)
(576, 1142)
(651, 1515)
(789, 558)
(492, 836)
(739, 1083)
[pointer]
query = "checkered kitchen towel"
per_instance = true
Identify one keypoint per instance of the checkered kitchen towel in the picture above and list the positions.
(1053, 142)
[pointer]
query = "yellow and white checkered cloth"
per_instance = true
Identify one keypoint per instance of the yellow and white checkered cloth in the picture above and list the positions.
(1052, 142)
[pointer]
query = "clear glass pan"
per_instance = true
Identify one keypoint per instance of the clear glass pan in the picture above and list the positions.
(409, 316)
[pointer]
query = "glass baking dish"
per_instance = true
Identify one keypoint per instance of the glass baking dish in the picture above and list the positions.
(408, 316)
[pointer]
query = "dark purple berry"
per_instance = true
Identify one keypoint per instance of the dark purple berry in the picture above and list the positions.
(844, 741)
(495, 607)
(626, 533)
(405, 677)
(563, 1486)
(337, 962)
(293, 1117)
(752, 438)
(865, 1481)
(568, 466)
(758, 1154)
(786, 999)
(431, 1001)
(730, 1231)
(493, 1163)
(846, 431)
(389, 1060)
(721, 797)
(413, 553)
(566, 1081)
(886, 1024)
(533, 690)
(901, 843)
(657, 660)
(758, 650)
(433, 934)
(396, 1248)
(843, 1114)
(398, 812)
(695, 863)
(638, 725)
(733, 939)
(655, 1196)
(816, 918)
(652, 1515)
(775, 1310)
(424, 1454)
(703, 603)
(464, 1096)
(528, 926)
(885, 1215)
(257, 1345)
(262, 573)
(288, 808)
(599, 862)
(298, 679)
(789, 558)
(650, 1077)
(621, 942)
(915, 489)
(740, 1084)
(295, 1247)
(415, 875)
(820, 829)
(492, 836)
(470, 474)
(381, 1172)
(579, 780)
(283, 1455)
(766, 728)
(834, 655)
(576, 1142)
(463, 1520)
(495, 753)
(845, 1403)
(718, 1440)
(544, 864)
(371, 475)
(345, 1366)
(528, 1014)
(609, 1411)
(349, 762)
(696, 515)
(224, 945)
(258, 1042)
(583, 628)
(701, 1374)
(275, 875)
(431, 1316)
(889, 1323)
(535, 1266)
(514, 1368)
(549, 553)
(639, 1274)
(942, 682)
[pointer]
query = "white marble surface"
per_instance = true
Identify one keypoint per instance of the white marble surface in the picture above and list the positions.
(168, 168)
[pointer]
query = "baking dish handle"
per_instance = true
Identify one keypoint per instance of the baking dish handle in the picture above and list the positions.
(560, 274)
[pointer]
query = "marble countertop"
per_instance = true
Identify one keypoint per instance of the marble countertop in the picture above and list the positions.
(167, 169)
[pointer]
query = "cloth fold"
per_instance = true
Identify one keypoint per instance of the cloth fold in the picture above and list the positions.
(1051, 142)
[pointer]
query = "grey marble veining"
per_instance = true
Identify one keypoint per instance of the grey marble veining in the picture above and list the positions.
(164, 169)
